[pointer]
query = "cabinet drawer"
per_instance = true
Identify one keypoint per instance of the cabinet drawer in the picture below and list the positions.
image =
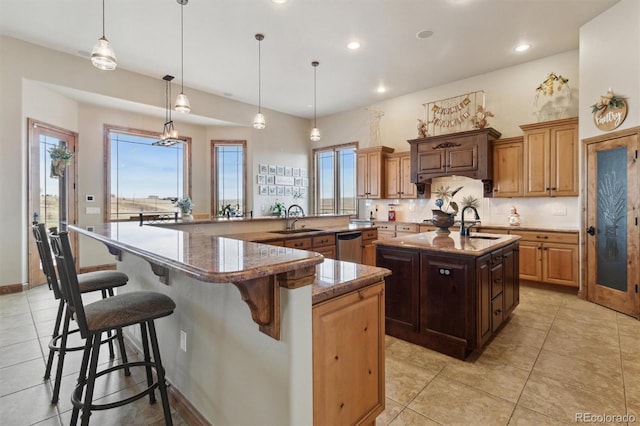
(496, 257)
(383, 235)
(386, 227)
(426, 228)
(554, 237)
(371, 234)
(497, 313)
(324, 240)
(407, 228)
(328, 252)
(496, 284)
(299, 243)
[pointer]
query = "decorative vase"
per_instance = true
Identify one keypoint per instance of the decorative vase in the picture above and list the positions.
(186, 216)
(57, 167)
(442, 221)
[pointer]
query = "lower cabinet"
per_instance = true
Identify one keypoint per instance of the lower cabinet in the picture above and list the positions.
(368, 248)
(448, 302)
(348, 358)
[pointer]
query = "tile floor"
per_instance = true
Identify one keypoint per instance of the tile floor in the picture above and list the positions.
(556, 357)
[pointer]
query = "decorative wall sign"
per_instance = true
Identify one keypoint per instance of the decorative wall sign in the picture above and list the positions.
(609, 112)
(451, 115)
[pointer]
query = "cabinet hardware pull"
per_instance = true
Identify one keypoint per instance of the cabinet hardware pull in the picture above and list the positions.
(498, 280)
(542, 236)
(497, 311)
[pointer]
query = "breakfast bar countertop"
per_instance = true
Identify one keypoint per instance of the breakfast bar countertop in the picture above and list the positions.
(335, 278)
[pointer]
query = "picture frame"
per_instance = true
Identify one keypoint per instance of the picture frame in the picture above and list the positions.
(303, 172)
(305, 182)
(272, 169)
(288, 171)
(272, 190)
(262, 179)
(296, 171)
(297, 181)
(263, 190)
(263, 169)
(280, 170)
(288, 191)
(271, 180)
(280, 190)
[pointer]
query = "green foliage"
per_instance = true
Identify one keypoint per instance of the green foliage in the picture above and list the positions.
(60, 152)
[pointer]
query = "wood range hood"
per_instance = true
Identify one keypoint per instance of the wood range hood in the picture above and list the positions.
(467, 154)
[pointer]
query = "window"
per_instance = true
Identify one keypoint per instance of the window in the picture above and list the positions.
(335, 179)
(228, 176)
(141, 177)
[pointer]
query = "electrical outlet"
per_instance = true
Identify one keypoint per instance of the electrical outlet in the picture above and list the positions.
(183, 340)
(560, 211)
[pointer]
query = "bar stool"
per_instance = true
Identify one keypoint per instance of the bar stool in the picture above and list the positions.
(103, 281)
(138, 307)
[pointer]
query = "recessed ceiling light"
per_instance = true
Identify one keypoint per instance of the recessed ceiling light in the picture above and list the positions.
(522, 47)
(424, 34)
(353, 45)
(381, 89)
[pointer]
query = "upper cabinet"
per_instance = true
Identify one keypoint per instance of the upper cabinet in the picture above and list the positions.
(463, 154)
(508, 167)
(398, 180)
(551, 158)
(370, 178)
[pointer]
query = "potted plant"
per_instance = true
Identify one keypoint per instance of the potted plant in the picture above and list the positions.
(443, 218)
(184, 205)
(278, 209)
(60, 158)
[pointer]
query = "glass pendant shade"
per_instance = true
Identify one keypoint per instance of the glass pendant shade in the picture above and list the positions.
(259, 122)
(182, 103)
(102, 56)
(315, 134)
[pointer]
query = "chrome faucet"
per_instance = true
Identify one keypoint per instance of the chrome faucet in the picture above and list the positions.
(465, 231)
(291, 226)
(296, 206)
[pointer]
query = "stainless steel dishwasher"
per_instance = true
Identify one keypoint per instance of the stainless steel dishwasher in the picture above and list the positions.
(350, 246)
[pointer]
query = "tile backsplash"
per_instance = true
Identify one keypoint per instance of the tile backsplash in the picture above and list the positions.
(558, 212)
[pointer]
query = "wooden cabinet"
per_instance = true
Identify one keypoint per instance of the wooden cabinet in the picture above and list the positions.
(549, 257)
(508, 164)
(348, 358)
(463, 154)
(398, 179)
(406, 229)
(298, 243)
(368, 248)
(325, 245)
(370, 172)
(386, 230)
(551, 158)
(452, 303)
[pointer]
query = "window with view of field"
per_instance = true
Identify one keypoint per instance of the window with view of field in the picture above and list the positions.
(335, 178)
(229, 176)
(144, 178)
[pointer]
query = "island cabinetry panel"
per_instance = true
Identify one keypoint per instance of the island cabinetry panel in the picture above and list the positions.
(370, 171)
(402, 304)
(398, 179)
(508, 168)
(348, 358)
(368, 248)
(551, 158)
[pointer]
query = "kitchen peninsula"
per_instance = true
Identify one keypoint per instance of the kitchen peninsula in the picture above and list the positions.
(259, 355)
(447, 292)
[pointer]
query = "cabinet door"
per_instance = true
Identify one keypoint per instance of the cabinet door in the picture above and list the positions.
(375, 174)
(537, 163)
(530, 261)
(348, 358)
(463, 159)
(483, 276)
(392, 187)
(431, 161)
(497, 312)
(511, 280)
(329, 252)
(362, 175)
(508, 176)
(402, 289)
(369, 254)
(564, 161)
(407, 188)
(560, 264)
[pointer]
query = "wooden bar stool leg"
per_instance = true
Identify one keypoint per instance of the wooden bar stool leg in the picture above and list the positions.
(162, 385)
(62, 351)
(91, 379)
(56, 330)
(147, 359)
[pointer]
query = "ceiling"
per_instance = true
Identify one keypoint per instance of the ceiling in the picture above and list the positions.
(470, 37)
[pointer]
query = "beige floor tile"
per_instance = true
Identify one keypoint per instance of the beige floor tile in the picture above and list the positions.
(597, 377)
(590, 315)
(627, 325)
(404, 381)
(391, 410)
(409, 417)
(630, 346)
(28, 406)
(581, 346)
(562, 401)
(45, 314)
(525, 417)
(453, 403)
(20, 333)
(605, 332)
(21, 376)
(19, 352)
(519, 334)
(8, 322)
(531, 318)
(418, 356)
(499, 380)
(518, 356)
(390, 340)
(539, 308)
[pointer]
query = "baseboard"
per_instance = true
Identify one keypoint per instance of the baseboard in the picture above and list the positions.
(93, 268)
(12, 288)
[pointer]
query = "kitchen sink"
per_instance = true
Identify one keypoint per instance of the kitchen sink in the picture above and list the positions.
(296, 231)
(483, 237)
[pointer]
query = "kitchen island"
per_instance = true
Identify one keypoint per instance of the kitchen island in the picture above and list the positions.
(447, 292)
(242, 344)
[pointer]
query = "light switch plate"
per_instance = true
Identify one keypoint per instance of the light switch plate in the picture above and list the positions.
(90, 198)
(92, 210)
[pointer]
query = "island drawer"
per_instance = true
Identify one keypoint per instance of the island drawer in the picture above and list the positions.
(299, 243)
(324, 240)
(497, 312)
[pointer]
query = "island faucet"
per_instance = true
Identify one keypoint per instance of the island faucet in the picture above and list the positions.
(465, 231)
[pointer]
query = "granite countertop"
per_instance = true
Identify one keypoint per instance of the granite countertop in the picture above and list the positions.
(476, 245)
(481, 225)
(275, 235)
(203, 257)
(335, 277)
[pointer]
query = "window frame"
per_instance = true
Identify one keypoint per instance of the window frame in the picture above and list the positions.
(108, 129)
(214, 172)
(334, 149)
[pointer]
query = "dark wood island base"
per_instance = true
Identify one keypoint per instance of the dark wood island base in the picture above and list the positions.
(449, 293)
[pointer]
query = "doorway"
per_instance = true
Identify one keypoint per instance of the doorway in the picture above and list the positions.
(47, 194)
(612, 232)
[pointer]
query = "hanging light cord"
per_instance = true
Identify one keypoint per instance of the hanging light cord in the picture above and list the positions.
(181, 42)
(259, 74)
(315, 69)
(103, 19)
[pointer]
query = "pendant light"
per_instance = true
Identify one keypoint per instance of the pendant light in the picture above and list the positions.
(102, 56)
(315, 133)
(169, 134)
(182, 102)
(259, 122)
